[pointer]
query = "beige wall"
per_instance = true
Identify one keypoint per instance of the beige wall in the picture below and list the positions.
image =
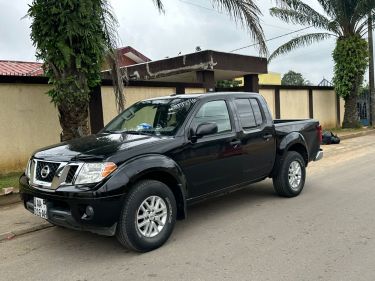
(132, 94)
(28, 121)
(195, 90)
(294, 104)
(342, 110)
(269, 96)
(325, 108)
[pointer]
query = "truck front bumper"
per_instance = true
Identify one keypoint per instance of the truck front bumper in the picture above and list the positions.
(70, 210)
(319, 155)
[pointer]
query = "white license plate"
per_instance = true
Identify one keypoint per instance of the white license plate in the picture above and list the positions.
(40, 207)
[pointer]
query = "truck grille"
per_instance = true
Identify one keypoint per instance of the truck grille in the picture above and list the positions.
(45, 171)
(51, 175)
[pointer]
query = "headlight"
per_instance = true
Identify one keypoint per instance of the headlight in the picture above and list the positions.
(94, 172)
(28, 169)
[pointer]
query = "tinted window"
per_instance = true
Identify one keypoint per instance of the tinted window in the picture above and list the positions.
(157, 117)
(257, 112)
(245, 113)
(214, 111)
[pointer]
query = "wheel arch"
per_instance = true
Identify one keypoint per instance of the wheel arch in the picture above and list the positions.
(156, 167)
(291, 142)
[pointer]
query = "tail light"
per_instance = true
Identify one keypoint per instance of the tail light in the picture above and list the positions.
(320, 133)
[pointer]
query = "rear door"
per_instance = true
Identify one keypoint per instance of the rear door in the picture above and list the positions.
(257, 138)
(211, 163)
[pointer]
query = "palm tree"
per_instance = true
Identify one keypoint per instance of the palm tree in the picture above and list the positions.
(345, 20)
(74, 37)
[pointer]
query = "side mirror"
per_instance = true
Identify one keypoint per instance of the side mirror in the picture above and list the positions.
(205, 129)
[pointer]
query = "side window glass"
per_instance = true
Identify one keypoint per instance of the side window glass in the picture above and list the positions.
(245, 113)
(257, 112)
(214, 111)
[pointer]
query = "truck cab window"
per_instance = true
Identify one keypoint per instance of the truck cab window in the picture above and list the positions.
(257, 113)
(245, 113)
(214, 111)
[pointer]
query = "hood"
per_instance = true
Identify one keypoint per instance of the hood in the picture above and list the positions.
(94, 147)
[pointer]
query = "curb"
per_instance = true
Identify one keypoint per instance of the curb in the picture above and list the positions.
(12, 234)
(9, 199)
(357, 134)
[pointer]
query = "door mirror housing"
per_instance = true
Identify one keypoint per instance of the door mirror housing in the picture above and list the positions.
(205, 129)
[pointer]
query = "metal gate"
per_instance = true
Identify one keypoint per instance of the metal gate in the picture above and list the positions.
(363, 107)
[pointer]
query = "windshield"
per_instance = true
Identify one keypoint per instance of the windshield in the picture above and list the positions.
(156, 117)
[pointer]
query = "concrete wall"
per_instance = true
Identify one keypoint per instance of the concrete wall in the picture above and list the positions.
(325, 108)
(294, 104)
(269, 95)
(28, 121)
(195, 90)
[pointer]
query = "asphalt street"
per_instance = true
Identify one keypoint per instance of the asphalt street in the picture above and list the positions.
(327, 233)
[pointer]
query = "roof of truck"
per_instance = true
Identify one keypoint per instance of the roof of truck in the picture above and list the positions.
(205, 95)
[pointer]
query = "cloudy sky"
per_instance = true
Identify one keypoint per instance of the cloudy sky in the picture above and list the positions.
(185, 25)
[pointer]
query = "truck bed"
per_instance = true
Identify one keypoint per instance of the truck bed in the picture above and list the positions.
(306, 127)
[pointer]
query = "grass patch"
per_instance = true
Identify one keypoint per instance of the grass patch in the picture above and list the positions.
(10, 180)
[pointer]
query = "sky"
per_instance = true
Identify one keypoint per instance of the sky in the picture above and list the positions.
(185, 25)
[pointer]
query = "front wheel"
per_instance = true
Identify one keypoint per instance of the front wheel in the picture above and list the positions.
(148, 216)
(290, 178)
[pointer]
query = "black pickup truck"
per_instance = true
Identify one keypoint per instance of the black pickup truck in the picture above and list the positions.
(141, 172)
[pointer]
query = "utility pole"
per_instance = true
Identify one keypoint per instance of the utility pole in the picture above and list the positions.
(371, 71)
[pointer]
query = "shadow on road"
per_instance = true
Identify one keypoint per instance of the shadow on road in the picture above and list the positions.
(212, 213)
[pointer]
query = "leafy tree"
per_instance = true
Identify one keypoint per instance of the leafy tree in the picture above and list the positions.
(345, 20)
(228, 83)
(73, 37)
(294, 79)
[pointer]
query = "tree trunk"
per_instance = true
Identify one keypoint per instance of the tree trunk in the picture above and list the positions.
(351, 119)
(73, 120)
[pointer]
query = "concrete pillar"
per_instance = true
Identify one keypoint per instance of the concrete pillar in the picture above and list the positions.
(180, 90)
(96, 110)
(251, 83)
(207, 78)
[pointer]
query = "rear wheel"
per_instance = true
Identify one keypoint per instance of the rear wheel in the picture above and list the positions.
(148, 216)
(290, 178)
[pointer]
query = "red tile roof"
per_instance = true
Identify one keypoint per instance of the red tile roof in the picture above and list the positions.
(20, 68)
(127, 56)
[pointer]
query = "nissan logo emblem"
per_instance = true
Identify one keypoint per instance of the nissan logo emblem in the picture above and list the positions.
(45, 171)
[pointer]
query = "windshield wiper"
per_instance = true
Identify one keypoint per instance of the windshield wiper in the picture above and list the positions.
(138, 133)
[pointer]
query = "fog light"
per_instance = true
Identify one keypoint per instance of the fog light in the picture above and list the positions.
(89, 213)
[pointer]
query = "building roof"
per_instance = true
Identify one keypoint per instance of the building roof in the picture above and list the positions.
(183, 68)
(20, 68)
(132, 55)
(127, 56)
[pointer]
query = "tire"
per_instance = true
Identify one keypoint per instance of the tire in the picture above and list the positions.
(290, 187)
(132, 231)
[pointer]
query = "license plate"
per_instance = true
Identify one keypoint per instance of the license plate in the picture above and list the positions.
(40, 207)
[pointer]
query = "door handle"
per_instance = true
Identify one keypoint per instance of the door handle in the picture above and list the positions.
(267, 136)
(235, 143)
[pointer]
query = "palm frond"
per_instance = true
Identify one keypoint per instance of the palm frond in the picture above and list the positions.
(329, 7)
(300, 41)
(159, 5)
(296, 17)
(246, 13)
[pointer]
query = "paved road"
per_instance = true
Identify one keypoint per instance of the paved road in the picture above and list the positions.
(327, 233)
